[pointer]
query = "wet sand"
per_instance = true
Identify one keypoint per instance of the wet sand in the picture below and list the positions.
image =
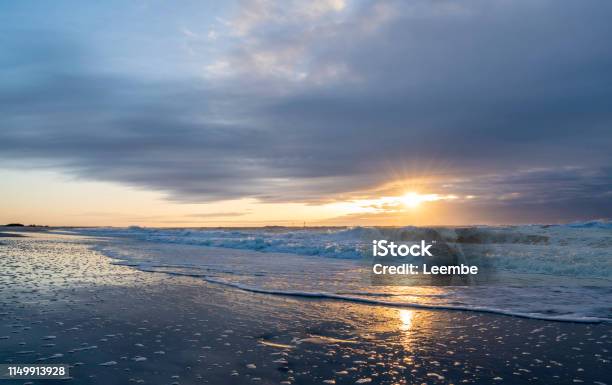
(62, 302)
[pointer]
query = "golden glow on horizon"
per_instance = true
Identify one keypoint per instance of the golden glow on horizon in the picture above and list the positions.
(410, 200)
(51, 198)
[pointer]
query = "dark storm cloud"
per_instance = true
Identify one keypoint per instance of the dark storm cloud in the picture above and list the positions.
(544, 195)
(471, 89)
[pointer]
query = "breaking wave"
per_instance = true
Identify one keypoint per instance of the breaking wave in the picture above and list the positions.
(576, 250)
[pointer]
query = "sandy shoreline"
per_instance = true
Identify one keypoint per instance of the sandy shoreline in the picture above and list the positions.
(160, 329)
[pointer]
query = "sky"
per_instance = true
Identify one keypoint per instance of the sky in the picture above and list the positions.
(324, 112)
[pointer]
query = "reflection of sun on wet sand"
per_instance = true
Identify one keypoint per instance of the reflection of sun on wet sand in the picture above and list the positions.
(406, 317)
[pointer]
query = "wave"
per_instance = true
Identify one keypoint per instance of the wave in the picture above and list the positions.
(367, 298)
(369, 301)
(576, 250)
(598, 224)
(342, 280)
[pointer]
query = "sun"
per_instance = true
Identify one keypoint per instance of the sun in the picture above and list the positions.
(408, 202)
(411, 199)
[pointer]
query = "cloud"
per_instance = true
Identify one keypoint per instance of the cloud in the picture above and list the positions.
(253, 15)
(312, 102)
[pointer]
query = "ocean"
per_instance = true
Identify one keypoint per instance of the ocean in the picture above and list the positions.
(565, 270)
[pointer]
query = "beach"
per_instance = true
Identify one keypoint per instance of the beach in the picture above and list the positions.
(65, 302)
(306, 192)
